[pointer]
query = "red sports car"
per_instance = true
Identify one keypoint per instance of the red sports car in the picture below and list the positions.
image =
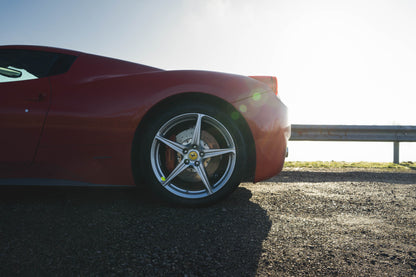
(192, 136)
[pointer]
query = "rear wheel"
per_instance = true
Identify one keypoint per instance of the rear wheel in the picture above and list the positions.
(193, 155)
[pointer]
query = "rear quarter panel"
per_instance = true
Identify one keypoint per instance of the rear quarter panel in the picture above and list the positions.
(92, 120)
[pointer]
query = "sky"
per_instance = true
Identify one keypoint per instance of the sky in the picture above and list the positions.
(337, 62)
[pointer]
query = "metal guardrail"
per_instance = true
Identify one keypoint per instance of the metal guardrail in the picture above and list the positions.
(395, 134)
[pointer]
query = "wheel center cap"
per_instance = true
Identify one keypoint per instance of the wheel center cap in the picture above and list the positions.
(193, 155)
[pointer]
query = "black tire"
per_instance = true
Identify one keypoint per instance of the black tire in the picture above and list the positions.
(173, 157)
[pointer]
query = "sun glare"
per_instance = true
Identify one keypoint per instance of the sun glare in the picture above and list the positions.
(337, 62)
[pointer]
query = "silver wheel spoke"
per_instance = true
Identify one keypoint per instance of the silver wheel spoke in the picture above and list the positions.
(178, 169)
(210, 153)
(197, 132)
(172, 144)
(201, 172)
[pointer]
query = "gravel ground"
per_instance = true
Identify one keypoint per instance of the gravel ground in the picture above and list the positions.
(302, 222)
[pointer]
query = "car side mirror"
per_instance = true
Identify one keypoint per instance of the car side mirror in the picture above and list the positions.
(11, 73)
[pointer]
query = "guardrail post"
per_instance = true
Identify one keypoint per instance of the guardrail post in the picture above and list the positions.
(396, 158)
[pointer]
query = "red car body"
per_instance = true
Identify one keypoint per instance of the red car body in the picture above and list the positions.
(80, 125)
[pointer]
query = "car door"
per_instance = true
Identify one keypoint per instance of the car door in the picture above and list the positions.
(24, 103)
(23, 108)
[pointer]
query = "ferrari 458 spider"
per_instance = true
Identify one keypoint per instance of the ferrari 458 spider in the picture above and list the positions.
(191, 136)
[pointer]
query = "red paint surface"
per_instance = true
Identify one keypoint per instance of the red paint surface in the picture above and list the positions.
(93, 111)
(267, 118)
(23, 108)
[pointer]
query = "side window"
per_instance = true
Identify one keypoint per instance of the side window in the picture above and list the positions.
(20, 65)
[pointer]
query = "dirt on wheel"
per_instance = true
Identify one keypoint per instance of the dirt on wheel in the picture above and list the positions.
(338, 222)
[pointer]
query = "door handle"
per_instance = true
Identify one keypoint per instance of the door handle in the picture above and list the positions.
(39, 98)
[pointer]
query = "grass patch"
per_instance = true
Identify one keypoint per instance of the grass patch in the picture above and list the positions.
(333, 164)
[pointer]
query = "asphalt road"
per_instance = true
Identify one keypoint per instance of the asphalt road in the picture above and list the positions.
(302, 222)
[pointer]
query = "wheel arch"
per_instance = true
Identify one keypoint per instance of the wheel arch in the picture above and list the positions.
(201, 98)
